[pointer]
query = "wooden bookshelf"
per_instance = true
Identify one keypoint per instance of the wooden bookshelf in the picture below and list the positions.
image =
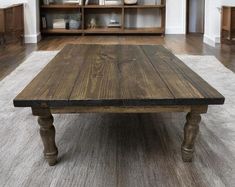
(86, 10)
(228, 25)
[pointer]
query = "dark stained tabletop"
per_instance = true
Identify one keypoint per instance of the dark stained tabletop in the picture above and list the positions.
(116, 75)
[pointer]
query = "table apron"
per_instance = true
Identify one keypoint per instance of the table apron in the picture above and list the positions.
(121, 109)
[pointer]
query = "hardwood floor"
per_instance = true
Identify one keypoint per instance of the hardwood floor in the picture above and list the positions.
(12, 55)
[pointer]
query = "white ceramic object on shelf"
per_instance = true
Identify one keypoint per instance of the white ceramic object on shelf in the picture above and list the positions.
(130, 2)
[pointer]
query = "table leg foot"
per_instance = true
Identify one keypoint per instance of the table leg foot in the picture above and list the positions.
(190, 133)
(47, 132)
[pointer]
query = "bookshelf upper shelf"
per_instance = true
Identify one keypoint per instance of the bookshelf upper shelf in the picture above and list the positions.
(63, 6)
(74, 6)
(102, 6)
(124, 6)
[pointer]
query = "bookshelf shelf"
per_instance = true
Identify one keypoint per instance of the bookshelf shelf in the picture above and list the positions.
(151, 30)
(102, 6)
(124, 6)
(103, 30)
(61, 31)
(144, 6)
(123, 10)
(61, 6)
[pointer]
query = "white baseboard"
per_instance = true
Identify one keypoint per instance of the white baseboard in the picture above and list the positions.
(175, 30)
(217, 39)
(32, 38)
(211, 41)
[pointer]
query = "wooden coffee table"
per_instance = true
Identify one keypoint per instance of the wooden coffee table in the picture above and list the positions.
(117, 79)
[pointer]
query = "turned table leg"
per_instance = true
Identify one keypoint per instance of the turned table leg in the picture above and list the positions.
(191, 130)
(47, 132)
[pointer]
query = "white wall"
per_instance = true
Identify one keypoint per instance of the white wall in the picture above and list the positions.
(228, 2)
(175, 16)
(213, 20)
(31, 14)
(32, 30)
(5, 3)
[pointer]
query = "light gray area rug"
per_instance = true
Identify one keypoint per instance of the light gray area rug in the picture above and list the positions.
(118, 150)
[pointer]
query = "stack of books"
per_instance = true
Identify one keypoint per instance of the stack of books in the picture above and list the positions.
(114, 24)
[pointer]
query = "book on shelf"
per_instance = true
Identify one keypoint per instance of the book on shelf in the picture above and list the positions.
(114, 25)
(44, 22)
